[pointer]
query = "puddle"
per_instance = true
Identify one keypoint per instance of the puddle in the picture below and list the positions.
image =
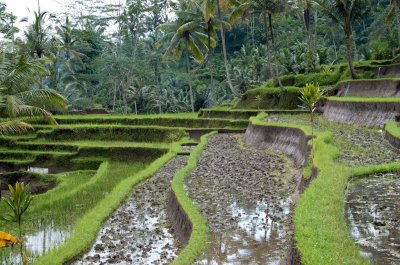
(139, 232)
(245, 196)
(188, 147)
(41, 170)
(373, 211)
(36, 244)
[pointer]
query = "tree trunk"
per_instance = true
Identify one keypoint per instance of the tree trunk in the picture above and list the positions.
(396, 10)
(268, 49)
(222, 33)
(115, 96)
(271, 29)
(135, 107)
(349, 55)
(189, 78)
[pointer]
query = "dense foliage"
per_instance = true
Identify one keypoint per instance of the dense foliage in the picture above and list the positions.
(157, 56)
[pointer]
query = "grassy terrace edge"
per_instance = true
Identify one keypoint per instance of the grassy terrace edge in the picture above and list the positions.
(321, 231)
(87, 227)
(393, 129)
(365, 99)
(198, 239)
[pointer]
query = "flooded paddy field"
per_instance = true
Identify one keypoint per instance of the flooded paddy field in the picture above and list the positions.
(139, 232)
(359, 146)
(245, 196)
(373, 212)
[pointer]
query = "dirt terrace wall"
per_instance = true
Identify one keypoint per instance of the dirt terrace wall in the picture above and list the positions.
(383, 71)
(291, 141)
(371, 114)
(369, 88)
(180, 220)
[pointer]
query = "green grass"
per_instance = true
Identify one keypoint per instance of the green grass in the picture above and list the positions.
(323, 79)
(365, 99)
(393, 129)
(270, 98)
(188, 115)
(86, 228)
(113, 133)
(198, 239)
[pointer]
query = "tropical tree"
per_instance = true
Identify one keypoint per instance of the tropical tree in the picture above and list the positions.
(265, 9)
(20, 97)
(37, 37)
(345, 13)
(212, 14)
(185, 35)
(394, 14)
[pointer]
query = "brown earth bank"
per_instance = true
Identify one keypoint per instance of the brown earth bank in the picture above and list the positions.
(291, 141)
(369, 88)
(371, 114)
(382, 71)
(246, 196)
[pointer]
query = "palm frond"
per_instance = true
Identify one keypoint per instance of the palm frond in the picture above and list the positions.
(14, 127)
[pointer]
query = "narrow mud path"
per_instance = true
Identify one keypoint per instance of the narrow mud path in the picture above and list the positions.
(139, 232)
(245, 195)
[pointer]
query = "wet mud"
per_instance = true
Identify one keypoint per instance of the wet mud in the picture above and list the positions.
(245, 196)
(373, 212)
(359, 146)
(139, 232)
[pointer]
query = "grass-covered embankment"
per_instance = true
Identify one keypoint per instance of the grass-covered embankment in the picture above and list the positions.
(270, 98)
(366, 99)
(198, 239)
(393, 129)
(112, 133)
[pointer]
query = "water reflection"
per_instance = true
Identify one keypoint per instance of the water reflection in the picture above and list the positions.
(36, 244)
(373, 212)
(245, 239)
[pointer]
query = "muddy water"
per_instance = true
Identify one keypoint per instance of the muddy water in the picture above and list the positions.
(373, 211)
(139, 231)
(245, 195)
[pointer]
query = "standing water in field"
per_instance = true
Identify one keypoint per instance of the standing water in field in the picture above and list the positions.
(36, 244)
(373, 211)
(245, 195)
(139, 232)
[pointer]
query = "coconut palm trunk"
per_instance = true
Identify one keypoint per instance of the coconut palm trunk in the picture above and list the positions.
(189, 78)
(350, 55)
(269, 57)
(396, 4)
(222, 33)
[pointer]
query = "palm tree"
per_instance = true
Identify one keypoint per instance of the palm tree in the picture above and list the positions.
(185, 35)
(344, 13)
(265, 9)
(394, 12)
(212, 13)
(36, 35)
(19, 96)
